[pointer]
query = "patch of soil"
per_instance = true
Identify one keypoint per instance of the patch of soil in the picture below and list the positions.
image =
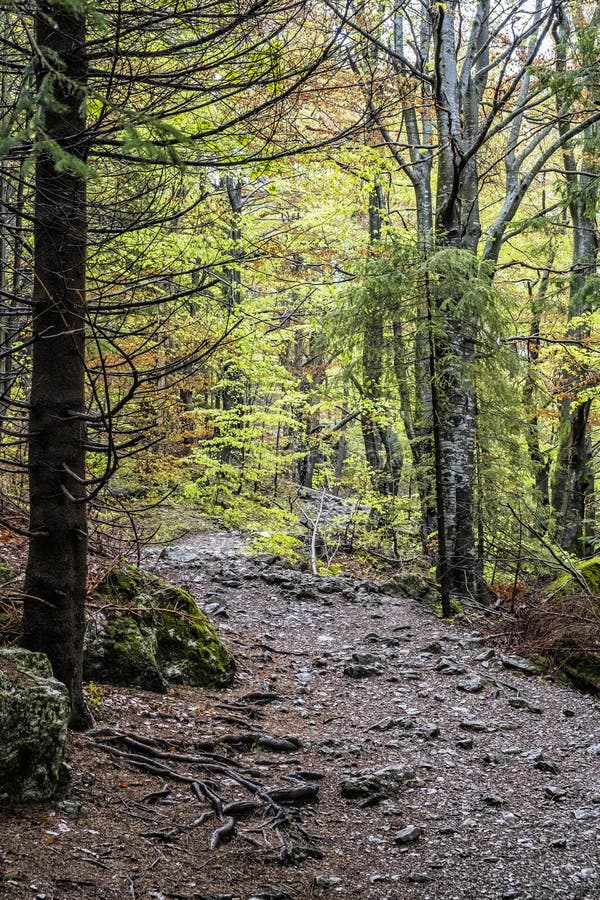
(505, 797)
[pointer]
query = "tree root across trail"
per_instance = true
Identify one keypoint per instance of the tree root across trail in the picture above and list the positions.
(222, 784)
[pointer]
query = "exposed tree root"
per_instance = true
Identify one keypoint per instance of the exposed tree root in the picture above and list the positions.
(212, 777)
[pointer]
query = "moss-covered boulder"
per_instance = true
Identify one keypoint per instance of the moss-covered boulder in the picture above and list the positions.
(581, 668)
(589, 570)
(34, 715)
(144, 632)
(411, 585)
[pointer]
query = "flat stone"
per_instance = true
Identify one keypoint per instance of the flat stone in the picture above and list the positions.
(387, 781)
(471, 685)
(432, 647)
(520, 664)
(384, 724)
(356, 670)
(408, 835)
(473, 725)
(554, 793)
(495, 758)
(493, 800)
(584, 813)
(449, 666)
(428, 731)
(521, 703)
(547, 765)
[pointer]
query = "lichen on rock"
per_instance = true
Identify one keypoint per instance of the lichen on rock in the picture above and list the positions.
(34, 716)
(147, 633)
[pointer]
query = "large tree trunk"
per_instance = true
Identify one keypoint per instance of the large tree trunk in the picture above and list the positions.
(55, 580)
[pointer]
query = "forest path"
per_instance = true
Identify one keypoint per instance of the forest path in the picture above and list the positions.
(494, 788)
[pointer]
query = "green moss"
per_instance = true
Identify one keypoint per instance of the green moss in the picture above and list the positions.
(161, 637)
(130, 655)
(412, 586)
(566, 584)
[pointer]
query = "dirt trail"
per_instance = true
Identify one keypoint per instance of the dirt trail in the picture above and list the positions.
(495, 788)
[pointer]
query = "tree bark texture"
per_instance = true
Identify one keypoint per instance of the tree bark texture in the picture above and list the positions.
(55, 580)
(572, 480)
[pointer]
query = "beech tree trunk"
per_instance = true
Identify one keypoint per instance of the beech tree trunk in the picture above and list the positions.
(572, 480)
(55, 580)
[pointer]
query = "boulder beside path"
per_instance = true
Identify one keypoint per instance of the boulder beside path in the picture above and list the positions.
(34, 717)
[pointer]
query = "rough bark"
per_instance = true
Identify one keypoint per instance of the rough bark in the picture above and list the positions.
(55, 580)
(572, 479)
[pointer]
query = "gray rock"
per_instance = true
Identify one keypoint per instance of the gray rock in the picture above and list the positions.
(325, 882)
(409, 834)
(449, 666)
(384, 724)
(473, 725)
(412, 586)
(34, 716)
(355, 670)
(471, 685)
(584, 813)
(433, 647)
(73, 808)
(558, 843)
(520, 664)
(465, 744)
(428, 731)
(547, 765)
(493, 800)
(553, 792)
(387, 781)
(495, 758)
(521, 703)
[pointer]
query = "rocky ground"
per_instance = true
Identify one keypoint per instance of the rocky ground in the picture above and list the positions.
(444, 767)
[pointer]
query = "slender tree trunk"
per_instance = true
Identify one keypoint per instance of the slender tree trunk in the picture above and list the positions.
(386, 476)
(540, 464)
(55, 579)
(572, 479)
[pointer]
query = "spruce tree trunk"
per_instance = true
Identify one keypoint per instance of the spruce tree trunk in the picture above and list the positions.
(55, 580)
